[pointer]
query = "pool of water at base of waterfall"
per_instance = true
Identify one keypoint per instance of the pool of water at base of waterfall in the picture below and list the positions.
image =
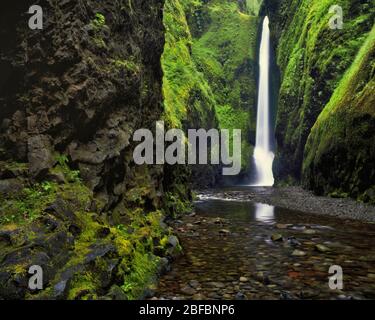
(242, 250)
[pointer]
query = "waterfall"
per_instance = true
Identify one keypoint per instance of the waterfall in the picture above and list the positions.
(263, 154)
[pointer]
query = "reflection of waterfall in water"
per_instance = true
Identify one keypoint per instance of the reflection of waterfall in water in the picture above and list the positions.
(264, 213)
(263, 154)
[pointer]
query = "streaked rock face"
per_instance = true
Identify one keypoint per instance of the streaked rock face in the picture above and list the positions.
(72, 95)
(80, 86)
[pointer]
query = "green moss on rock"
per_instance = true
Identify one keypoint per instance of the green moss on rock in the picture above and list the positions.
(313, 60)
(209, 66)
(340, 151)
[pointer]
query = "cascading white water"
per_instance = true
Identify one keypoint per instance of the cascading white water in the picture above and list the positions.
(263, 154)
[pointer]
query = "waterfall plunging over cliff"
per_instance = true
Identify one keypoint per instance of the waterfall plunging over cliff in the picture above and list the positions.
(263, 154)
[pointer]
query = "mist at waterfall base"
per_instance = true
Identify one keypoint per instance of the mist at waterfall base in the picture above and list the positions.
(263, 154)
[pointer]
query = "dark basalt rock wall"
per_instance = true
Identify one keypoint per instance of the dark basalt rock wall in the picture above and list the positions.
(80, 87)
(71, 97)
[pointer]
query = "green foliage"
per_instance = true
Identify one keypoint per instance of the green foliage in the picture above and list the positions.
(253, 6)
(129, 65)
(209, 66)
(139, 265)
(63, 167)
(176, 204)
(98, 24)
(187, 94)
(99, 21)
(141, 274)
(313, 59)
(340, 151)
(27, 206)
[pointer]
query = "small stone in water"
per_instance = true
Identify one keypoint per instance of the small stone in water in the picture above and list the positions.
(194, 284)
(218, 284)
(283, 226)
(298, 253)
(188, 290)
(240, 296)
(309, 231)
(322, 248)
(293, 241)
(277, 237)
(244, 279)
(224, 231)
(199, 296)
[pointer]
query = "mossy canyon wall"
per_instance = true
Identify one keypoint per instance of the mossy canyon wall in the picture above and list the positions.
(325, 122)
(72, 200)
(210, 69)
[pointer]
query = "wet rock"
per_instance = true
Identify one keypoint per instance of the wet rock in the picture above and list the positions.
(284, 295)
(116, 293)
(103, 232)
(276, 237)
(322, 248)
(219, 221)
(240, 296)
(98, 251)
(309, 231)
(298, 253)
(194, 284)
(188, 290)
(164, 266)
(283, 226)
(214, 296)
(299, 228)
(49, 222)
(149, 292)
(216, 284)
(224, 232)
(61, 210)
(244, 279)
(293, 242)
(5, 237)
(199, 296)
(173, 241)
(39, 156)
(263, 278)
(10, 186)
(308, 294)
(57, 177)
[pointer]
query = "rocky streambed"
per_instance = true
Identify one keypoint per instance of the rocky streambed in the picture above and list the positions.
(235, 248)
